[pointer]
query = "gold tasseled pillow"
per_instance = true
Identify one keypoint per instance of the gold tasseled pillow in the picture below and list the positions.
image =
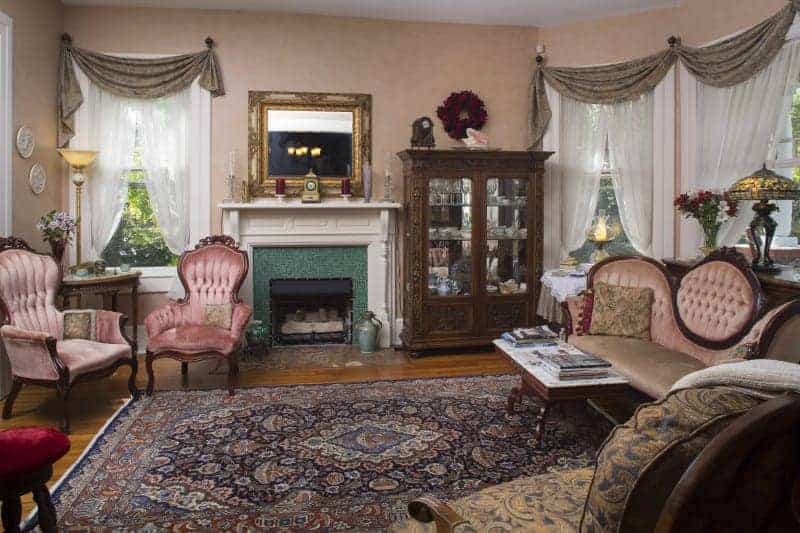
(79, 324)
(218, 315)
(621, 311)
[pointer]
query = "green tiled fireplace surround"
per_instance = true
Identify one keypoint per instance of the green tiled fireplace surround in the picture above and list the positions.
(313, 262)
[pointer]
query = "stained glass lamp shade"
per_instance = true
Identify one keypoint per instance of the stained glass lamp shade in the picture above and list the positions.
(762, 186)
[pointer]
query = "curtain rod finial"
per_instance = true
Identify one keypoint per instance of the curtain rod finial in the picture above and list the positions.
(209, 42)
(66, 39)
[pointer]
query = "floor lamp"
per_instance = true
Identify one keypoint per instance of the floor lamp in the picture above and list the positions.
(78, 160)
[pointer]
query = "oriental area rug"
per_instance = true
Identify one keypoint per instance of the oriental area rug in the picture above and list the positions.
(321, 457)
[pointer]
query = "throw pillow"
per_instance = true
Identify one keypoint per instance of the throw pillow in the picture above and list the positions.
(79, 324)
(584, 322)
(621, 311)
(643, 459)
(745, 350)
(218, 315)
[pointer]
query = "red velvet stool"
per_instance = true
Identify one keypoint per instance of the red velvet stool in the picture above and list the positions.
(26, 464)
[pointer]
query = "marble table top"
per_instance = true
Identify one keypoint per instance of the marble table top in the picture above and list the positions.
(529, 362)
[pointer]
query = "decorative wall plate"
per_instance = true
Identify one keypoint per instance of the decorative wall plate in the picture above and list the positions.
(26, 142)
(37, 178)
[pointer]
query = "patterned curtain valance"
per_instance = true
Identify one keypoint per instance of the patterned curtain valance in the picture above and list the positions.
(129, 77)
(723, 64)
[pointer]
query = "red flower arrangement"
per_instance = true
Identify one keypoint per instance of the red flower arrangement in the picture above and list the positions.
(710, 209)
(461, 111)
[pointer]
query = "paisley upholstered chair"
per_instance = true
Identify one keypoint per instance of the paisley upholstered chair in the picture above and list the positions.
(719, 452)
(209, 322)
(49, 347)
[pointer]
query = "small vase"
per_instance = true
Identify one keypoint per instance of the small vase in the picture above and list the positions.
(709, 239)
(57, 249)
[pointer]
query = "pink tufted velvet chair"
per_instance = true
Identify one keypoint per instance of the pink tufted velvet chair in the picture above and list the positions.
(211, 275)
(33, 337)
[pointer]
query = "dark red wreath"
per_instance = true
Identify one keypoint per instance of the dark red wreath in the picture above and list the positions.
(461, 111)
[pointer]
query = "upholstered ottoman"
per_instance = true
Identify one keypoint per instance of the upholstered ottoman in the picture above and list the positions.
(26, 464)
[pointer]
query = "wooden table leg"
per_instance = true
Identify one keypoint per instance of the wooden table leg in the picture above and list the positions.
(114, 301)
(11, 512)
(541, 418)
(514, 397)
(135, 312)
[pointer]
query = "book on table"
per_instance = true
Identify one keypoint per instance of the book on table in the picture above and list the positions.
(568, 362)
(539, 335)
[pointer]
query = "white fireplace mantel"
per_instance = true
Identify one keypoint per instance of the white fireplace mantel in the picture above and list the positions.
(334, 222)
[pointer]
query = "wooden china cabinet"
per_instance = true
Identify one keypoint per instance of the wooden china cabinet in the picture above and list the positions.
(472, 250)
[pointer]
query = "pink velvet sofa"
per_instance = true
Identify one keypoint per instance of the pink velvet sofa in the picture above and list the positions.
(713, 315)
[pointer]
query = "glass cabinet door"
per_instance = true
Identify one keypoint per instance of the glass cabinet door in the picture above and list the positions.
(506, 236)
(449, 237)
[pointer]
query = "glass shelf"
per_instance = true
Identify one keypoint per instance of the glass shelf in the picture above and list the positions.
(507, 236)
(450, 237)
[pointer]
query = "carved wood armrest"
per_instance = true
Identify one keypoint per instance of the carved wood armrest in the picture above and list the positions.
(429, 508)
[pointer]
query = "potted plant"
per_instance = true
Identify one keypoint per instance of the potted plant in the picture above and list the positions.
(711, 209)
(57, 230)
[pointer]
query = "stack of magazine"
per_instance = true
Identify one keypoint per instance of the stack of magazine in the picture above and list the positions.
(567, 362)
(536, 336)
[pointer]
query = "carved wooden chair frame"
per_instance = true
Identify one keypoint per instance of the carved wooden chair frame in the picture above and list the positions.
(730, 450)
(62, 384)
(186, 358)
(726, 255)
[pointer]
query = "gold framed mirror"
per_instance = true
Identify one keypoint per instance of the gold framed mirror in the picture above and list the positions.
(292, 135)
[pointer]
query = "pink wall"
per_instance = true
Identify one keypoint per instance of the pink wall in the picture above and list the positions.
(409, 68)
(37, 30)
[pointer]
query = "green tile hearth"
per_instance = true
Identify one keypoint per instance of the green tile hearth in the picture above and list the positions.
(319, 262)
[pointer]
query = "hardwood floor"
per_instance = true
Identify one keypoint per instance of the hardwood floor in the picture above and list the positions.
(93, 403)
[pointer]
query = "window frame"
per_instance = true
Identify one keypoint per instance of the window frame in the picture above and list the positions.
(163, 279)
(6, 122)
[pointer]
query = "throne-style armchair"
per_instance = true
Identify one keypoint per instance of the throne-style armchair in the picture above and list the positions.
(48, 347)
(209, 322)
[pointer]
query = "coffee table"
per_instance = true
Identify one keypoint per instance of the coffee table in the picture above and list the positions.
(537, 382)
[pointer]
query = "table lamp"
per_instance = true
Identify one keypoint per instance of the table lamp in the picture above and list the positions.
(78, 160)
(762, 186)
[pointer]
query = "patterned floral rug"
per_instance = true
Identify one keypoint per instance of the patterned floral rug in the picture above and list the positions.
(311, 457)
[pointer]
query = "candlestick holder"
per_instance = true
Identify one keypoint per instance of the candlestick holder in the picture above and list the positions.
(230, 189)
(387, 187)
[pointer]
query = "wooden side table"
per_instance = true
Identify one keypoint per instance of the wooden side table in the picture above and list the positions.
(109, 286)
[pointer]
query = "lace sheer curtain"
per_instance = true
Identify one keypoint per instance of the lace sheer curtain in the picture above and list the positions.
(583, 138)
(736, 126)
(162, 128)
(630, 146)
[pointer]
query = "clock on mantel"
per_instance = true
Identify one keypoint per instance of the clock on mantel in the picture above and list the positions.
(310, 189)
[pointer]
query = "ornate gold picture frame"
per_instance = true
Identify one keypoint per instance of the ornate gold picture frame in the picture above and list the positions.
(260, 104)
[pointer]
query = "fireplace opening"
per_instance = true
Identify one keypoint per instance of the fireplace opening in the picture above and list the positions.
(311, 311)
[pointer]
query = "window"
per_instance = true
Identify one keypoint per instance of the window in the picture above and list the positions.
(138, 240)
(606, 206)
(105, 124)
(787, 156)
